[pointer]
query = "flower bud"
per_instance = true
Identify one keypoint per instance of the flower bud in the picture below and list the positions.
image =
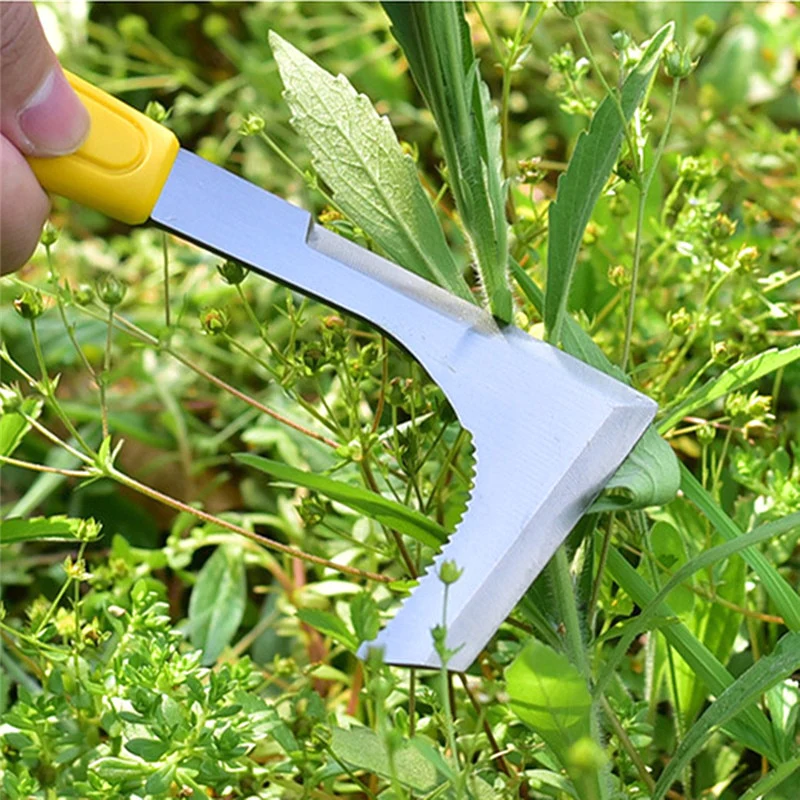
(621, 40)
(704, 26)
(156, 111)
(110, 289)
(214, 321)
(706, 434)
(449, 572)
(251, 125)
(83, 295)
(678, 62)
(232, 272)
(618, 276)
(571, 8)
(722, 227)
(679, 321)
(49, 235)
(29, 305)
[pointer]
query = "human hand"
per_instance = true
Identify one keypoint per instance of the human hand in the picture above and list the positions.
(40, 115)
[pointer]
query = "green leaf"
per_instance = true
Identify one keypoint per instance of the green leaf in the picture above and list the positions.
(649, 476)
(785, 598)
(330, 625)
(14, 426)
(394, 515)
(436, 41)
(734, 378)
(57, 527)
(653, 610)
(752, 729)
(744, 691)
(579, 188)
(362, 748)
(548, 693)
(218, 600)
(148, 749)
(364, 614)
(357, 154)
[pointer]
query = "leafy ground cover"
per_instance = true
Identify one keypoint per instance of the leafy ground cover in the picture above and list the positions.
(214, 490)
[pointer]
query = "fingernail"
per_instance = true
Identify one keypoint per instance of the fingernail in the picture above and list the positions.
(54, 120)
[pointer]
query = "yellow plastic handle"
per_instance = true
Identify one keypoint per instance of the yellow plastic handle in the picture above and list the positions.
(121, 167)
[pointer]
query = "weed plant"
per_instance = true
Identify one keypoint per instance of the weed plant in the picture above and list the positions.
(214, 489)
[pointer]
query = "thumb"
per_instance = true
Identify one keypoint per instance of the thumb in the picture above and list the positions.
(39, 112)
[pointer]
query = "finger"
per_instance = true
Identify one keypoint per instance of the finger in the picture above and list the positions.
(39, 112)
(23, 208)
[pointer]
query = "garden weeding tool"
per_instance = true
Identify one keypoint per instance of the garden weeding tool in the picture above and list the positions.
(548, 431)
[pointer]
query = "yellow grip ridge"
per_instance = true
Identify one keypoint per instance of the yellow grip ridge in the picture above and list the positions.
(122, 166)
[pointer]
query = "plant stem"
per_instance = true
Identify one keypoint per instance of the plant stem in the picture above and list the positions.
(69, 473)
(598, 581)
(644, 190)
(165, 253)
(568, 610)
(610, 92)
(295, 552)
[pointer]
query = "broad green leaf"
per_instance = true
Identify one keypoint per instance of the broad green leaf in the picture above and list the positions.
(217, 603)
(548, 693)
(148, 749)
(579, 188)
(741, 694)
(394, 515)
(14, 426)
(785, 598)
(330, 625)
(362, 748)
(733, 379)
(58, 527)
(751, 728)
(653, 609)
(357, 154)
(649, 476)
(436, 40)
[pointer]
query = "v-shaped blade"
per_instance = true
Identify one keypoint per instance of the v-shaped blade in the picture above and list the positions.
(548, 430)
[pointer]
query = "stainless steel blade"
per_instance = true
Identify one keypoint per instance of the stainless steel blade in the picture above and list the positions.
(548, 430)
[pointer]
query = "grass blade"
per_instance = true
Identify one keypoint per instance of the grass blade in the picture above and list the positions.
(580, 186)
(751, 727)
(736, 377)
(436, 41)
(652, 612)
(357, 154)
(394, 515)
(786, 599)
(766, 672)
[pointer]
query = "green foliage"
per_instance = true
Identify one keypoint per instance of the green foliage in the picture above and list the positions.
(436, 41)
(204, 644)
(393, 515)
(590, 167)
(357, 154)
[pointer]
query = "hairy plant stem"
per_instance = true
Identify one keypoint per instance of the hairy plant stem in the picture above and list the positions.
(106, 369)
(45, 385)
(645, 182)
(594, 606)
